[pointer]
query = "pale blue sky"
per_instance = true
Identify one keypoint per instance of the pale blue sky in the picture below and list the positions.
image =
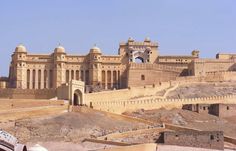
(178, 25)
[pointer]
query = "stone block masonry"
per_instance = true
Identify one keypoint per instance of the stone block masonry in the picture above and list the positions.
(201, 139)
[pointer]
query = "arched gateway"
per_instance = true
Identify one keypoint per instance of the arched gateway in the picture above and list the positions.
(78, 97)
(76, 92)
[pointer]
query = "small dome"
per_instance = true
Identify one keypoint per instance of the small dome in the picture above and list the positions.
(147, 39)
(130, 39)
(95, 49)
(59, 49)
(20, 48)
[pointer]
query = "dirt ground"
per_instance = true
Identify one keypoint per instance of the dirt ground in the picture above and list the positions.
(203, 90)
(68, 130)
(189, 119)
(55, 129)
(70, 127)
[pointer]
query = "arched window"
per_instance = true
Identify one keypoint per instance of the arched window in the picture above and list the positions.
(51, 79)
(67, 76)
(45, 78)
(142, 77)
(34, 78)
(28, 79)
(72, 74)
(103, 79)
(77, 74)
(109, 79)
(39, 79)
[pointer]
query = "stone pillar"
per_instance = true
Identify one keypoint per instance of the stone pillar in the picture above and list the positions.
(31, 79)
(42, 79)
(117, 79)
(48, 79)
(36, 78)
(105, 79)
(112, 82)
(69, 76)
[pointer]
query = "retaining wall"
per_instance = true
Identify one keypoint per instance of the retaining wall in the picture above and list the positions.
(125, 94)
(27, 93)
(7, 104)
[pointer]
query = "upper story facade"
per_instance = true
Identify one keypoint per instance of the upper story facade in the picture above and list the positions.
(131, 65)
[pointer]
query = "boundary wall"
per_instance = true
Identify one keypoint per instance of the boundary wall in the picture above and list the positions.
(134, 98)
(182, 128)
(8, 104)
(154, 102)
(125, 94)
(28, 93)
(210, 77)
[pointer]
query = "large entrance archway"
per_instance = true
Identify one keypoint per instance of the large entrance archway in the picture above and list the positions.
(139, 60)
(77, 97)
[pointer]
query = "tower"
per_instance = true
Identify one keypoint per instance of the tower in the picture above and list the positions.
(95, 76)
(134, 51)
(59, 76)
(18, 69)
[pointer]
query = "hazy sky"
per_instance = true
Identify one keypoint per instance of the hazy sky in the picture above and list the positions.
(178, 25)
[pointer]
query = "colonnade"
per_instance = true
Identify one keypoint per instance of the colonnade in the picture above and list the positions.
(39, 78)
(80, 75)
(43, 78)
(110, 79)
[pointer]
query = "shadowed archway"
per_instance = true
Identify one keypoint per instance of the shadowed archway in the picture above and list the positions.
(77, 97)
(139, 60)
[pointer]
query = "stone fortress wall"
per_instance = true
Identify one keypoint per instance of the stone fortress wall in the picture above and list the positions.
(135, 98)
(155, 103)
(200, 67)
(27, 94)
(49, 76)
(147, 74)
(202, 139)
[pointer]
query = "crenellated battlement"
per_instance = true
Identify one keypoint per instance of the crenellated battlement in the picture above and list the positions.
(148, 66)
(120, 106)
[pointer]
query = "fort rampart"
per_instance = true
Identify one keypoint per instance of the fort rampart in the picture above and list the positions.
(120, 106)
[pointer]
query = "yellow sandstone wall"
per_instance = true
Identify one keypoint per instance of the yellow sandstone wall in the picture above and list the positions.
(27, 93)
(7, 104)
(144, 97)
(146, 74)
(155, 103)
(132, 92)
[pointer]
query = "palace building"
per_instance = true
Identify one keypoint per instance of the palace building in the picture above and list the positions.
(136, 64)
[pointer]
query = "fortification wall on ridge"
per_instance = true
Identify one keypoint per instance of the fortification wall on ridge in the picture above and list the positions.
(144, 97)
(120, 106)
(125, 94)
